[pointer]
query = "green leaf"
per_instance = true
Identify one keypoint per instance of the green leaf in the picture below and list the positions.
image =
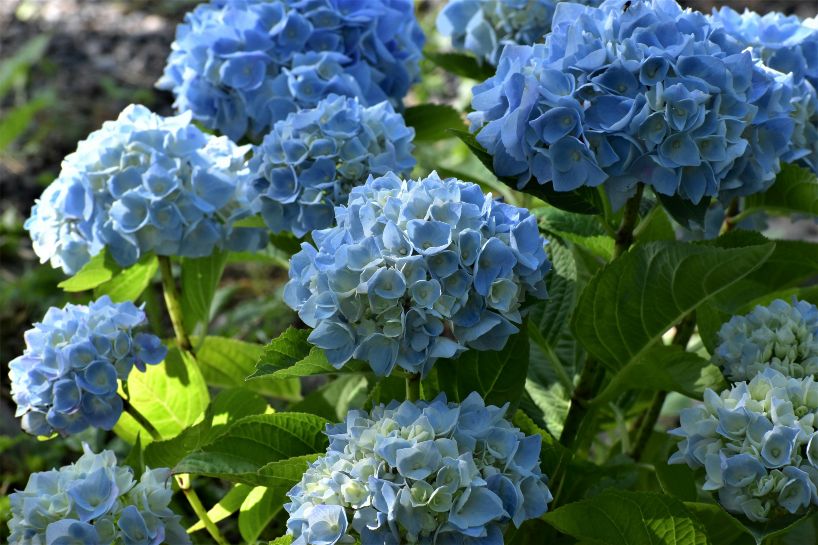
(226, 363)
(665, 368)
(721, 528)
(654, 226)
(18, 64)
(465, 66)
(128, 285)
(686, 214)
(283, 540)
(15, 122)
(258, 509)
(620, 517)
(229, 504)
(795, 190)
(677, 480)
(632, 301)
(136, 457)
(283, 474)
(334, 399)
(498, 376)
(580, 229)
(100, 269)
(200, 278)
(171, 395)
(432, 121)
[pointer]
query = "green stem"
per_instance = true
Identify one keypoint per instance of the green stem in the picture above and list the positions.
(630, 217)
(141, 420)
(183, 480)
(173, 303)
(731, 217)
(413, 387)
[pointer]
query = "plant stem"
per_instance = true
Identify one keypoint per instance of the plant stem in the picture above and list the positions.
(413, 387)
(630, 217)
(183, 480)
(731, 217)
(141, 420)
(684, 330)
(173, 303)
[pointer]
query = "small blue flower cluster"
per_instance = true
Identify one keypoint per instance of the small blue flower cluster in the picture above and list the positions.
(417, 270)
(781, 335)
(312, 159)
(420, 473)
(757, 443)
(95, 502)
(485, 27)
(636, 91)
(141, 184)
(66, 380)
(242, 65)
(790, 46)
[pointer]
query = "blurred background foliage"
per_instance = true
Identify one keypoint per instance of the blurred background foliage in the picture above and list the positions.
(68, 65)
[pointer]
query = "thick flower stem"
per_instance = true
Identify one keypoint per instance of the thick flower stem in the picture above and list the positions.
(141, 420)
(630, 217)
(173, 303)
(730, 217)
(413, 387)
(183, 480)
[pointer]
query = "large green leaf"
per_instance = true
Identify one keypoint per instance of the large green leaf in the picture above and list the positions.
(259, 508)
(172, 396)
(721, 528)
(582, 229)
(200, 278)
(228, 504)
(226, 363)
(619, 517)
(465, 66)
(795, 190)
(100, 269)
(128, 285)
(685, 213)
(498, 376)
(432, 121)
(336, 397)
(632, 301)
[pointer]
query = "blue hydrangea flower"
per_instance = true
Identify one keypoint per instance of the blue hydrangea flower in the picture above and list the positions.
(416, 270)
(757, 443)
(420, 473)
(310, 160)
(95, 502)
(780, 335)
(141, 184)
(242, 65)
(789, 45)
(66, 380)
(485, 27)
(634, 92)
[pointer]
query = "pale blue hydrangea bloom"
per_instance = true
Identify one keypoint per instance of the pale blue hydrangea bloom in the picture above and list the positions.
(417, 270)
(485, 27)
(144, 183)
(95, 502)
(66, 379)
(242, 65)
(789, 45)
(423, 472)
(780, 335)
(636, 92)
(757, 443)
(310, 160)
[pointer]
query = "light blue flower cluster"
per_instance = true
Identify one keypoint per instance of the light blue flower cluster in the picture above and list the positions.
(66, 380)
(310, 160)
(417, 270)
(141, 184)
(781, 335)
(420, 473)
(95, 502)
(789, 45)
(242, 65)
(635, 91)
(757, 443)
(485, 27)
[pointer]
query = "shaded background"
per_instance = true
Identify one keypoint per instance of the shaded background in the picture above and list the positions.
(68, 65)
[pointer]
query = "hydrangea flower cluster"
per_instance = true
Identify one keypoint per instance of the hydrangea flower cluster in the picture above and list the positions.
(485, 27)
(781, 335)
(629, 92)
(95, 502)
(242, 65)
(66, 380)
(790, 46)
(757, 443)
(141, 184)
(310, 160)
(417, 270)
(420, 473)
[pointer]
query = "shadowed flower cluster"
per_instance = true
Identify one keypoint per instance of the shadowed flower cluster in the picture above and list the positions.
(781, 335)
(757, 443)
(485, 27)
(417, 270)
(141, 184)
(242, 65)
(310, 160)
(789, 45)
(633, 92)
(66, 380)
(420, 473)
(95, 502)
